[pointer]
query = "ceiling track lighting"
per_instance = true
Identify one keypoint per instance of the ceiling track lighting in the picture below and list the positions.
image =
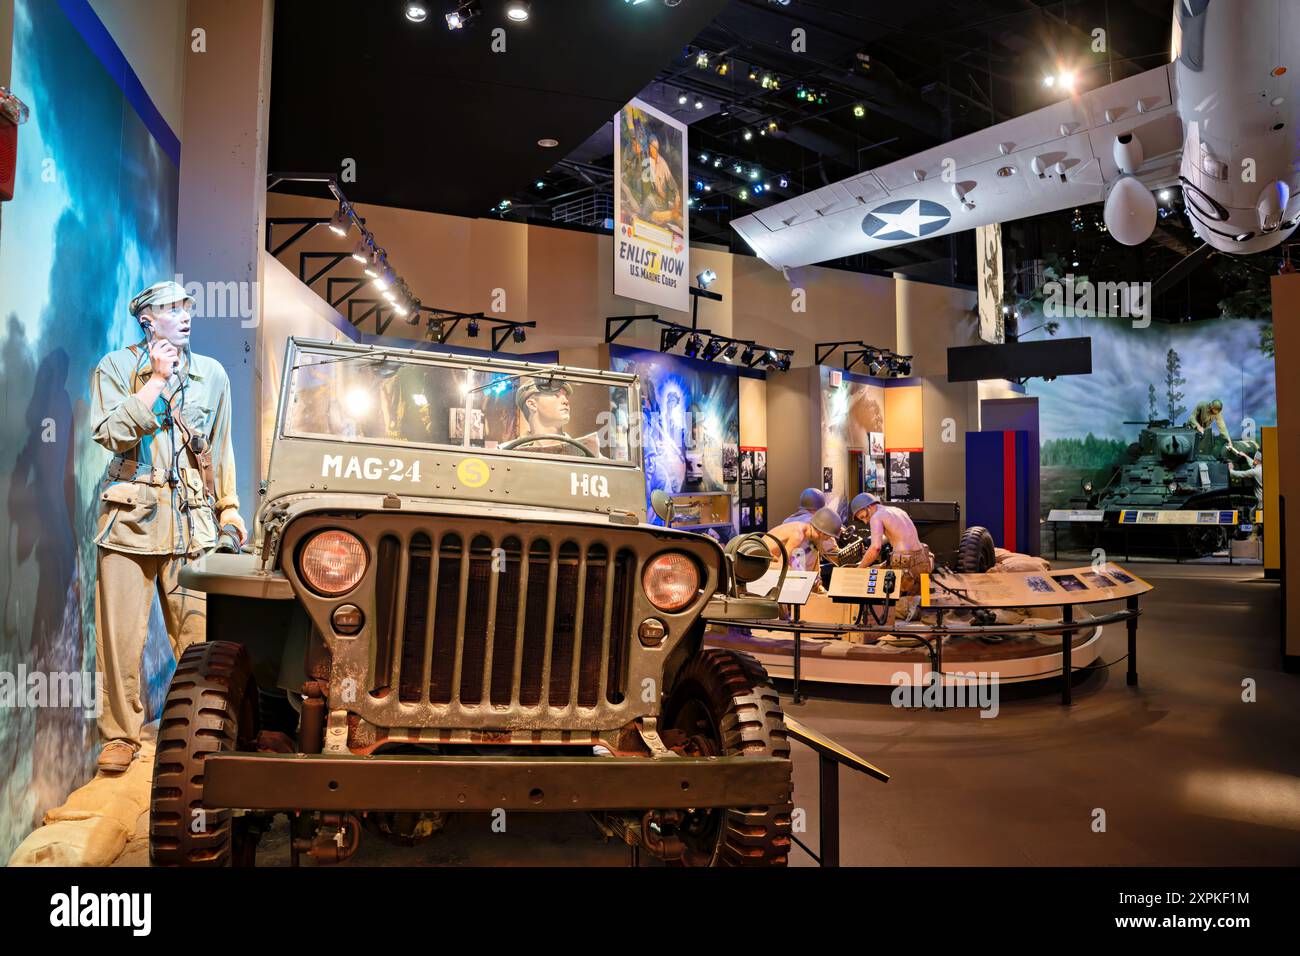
(517, 11)
(464, 14)
(416, 12)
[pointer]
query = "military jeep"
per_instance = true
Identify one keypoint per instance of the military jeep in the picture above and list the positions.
(454, 603)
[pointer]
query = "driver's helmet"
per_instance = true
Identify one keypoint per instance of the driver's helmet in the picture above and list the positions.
(536, 384)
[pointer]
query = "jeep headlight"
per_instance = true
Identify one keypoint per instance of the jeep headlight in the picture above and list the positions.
(332, 562)
(671, 581)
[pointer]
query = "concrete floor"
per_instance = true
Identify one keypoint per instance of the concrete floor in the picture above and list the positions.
(1185, 771)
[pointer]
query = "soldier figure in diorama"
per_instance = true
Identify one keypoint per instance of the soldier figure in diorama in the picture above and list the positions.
(164, 412)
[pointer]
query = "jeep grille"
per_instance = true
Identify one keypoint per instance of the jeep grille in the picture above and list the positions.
(514, 621)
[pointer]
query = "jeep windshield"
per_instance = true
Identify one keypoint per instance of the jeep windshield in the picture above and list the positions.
(399, 398)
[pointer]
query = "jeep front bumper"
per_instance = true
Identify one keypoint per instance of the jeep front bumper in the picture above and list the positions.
(250, 781)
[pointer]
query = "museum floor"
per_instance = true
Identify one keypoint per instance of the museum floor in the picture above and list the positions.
(1185, 771)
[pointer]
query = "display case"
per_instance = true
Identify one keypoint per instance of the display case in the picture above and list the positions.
(696, 512)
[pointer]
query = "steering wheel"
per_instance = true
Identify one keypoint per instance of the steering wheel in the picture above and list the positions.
(529, 439)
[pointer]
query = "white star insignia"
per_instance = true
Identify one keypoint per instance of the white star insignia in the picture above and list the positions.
(909, 221)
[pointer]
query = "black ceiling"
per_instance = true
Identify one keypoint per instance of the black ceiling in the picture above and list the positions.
(436, 120)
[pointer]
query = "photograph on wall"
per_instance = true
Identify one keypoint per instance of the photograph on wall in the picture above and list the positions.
(828, 480)
(652, 248)
(876, 441)
(760, 464)
(905, 476)
(690, 430)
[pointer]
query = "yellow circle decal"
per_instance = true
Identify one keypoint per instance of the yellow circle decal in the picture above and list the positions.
(472, 472)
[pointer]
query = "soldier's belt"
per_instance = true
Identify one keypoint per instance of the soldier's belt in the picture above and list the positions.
(125, 469)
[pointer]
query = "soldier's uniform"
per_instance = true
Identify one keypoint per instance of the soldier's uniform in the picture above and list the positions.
(155, 513)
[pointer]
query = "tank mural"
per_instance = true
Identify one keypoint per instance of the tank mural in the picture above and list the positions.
(1121, 438)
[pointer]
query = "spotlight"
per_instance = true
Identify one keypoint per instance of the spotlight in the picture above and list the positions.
(708, 188)
(459, 18)
(360, 253)
(737, 168)
(682, 99)
(706, 278)
(435, 329)
(692, 346)
(1066, 80)
(753, 173)
(744, 194)
(417, 12)
(699, 104)
(339, 222)
(717, 162)
(702, 60)
(712, 350)
(401, 308)
(704, 157)
(747, 356)
(730, 353)
(540, 184)
(859, 110)
(783, 182)
(753, 76)
(905, 367)
(758, 188)
(1049, 81)
(873, 367)
(748, 135)
(472, 329)
(722, 68)
(517, 10)
(1165, 195)
(671, 337)
(384, 279)
(771, 126)
(518, 333)
(390, 295)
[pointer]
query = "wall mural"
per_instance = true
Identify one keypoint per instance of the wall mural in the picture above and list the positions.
(851, 414)
(691, 421)
(1158, 372)
(93, 221)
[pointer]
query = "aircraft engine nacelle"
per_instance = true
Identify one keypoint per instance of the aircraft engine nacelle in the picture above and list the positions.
(1272, 205)
(1130, 211)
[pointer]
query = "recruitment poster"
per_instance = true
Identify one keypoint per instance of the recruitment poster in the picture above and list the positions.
(652, 245)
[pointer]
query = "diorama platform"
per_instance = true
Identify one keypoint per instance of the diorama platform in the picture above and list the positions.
(1012, 659)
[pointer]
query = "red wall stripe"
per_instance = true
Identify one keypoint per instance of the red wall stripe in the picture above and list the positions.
(1009, 491)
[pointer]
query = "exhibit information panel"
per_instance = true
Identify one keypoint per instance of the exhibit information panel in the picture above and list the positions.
(1086, 585)
(1178, 517)
(652, 251)
(1076, 514)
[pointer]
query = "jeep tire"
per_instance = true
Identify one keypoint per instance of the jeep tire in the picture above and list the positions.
(722, 704)
(211, 708)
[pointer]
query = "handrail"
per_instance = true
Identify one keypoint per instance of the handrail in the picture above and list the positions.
(830, 757)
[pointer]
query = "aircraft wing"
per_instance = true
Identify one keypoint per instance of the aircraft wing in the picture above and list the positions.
(1054, 158)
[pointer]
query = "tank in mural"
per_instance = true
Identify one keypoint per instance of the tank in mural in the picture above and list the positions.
(1173, 467)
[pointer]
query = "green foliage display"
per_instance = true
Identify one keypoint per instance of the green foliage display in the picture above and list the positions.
(1089, 452)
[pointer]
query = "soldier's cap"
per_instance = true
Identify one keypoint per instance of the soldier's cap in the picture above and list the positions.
(160, 293)
(811, 499)
(538, 384)
(827, 521)
(862, 501)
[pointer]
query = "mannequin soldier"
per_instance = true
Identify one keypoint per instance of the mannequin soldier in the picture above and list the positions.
(819, 535)
(805, 557)
(907, 553)
(1207, 414)
(164, 413)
